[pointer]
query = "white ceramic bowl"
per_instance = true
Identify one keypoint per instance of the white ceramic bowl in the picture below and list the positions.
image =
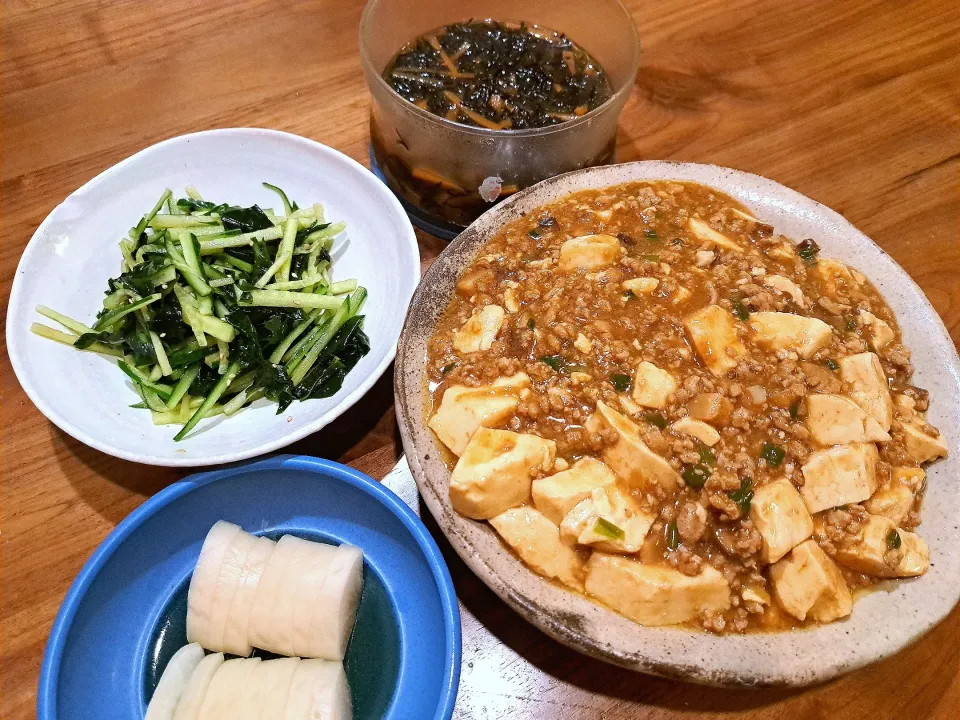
(882, 622)
(75, 251)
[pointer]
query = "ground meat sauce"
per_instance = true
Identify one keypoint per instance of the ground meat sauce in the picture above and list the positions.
(583, 323)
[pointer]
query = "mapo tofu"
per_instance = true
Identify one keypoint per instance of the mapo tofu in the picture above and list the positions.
(702, 421)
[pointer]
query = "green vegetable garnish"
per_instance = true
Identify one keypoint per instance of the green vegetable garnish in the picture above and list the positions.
(773, 454)
(621, 383)
(807, 250)
(531, 324)
(673, 536)
(608, 530)
(795, 408)
(447, 368)
(831, 364)
(706, 455)
(653, 257)
(743, 496)
(202, 332)
(651, 234)
(739, 310)
(849, 324)
(554, 362)
(696, 475)
(535, 234)
(893, 540)
(655, 418)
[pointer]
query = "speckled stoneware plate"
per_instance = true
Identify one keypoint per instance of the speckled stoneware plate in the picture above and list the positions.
(882, 622)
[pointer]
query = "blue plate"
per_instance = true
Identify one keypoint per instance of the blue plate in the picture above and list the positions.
(125, 614)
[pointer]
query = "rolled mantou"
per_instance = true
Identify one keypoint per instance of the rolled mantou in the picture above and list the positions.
(334, 609)
(173, 682)
(271, 618)
(226, 690)
(203, 584)
(236, 629)
(231, 570)
(319, 689)
(275, 677)
(311, 585)
(196, 690)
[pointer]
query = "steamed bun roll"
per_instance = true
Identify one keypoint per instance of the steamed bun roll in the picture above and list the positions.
(203, 584)
(173, 682)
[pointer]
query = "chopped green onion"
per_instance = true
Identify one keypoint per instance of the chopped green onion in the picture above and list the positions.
(621, 382)
(743, 496)
(706, 455)
(651, 234)
(795, 408)
(831, 364)
(893, 540)
(696, 476)
(656, 419)
(607, 529)
(739, 310)
(772, 454)
(673, 536)
(807, 250)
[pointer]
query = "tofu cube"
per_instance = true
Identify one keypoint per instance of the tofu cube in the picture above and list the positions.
(536, 541)
(808, 583)
(641, 286)
(840, 476)
(786, 331)
(895, 499)
(464, 409)
(870, 551)
(781, 518)
(836, 420)
(608, 520)
(879, 333)
(629, 457)
(787, 287)
(711, 408)
(556, 495)
(704, 233)
(590, 252)
(921, 446)
(834, 276)
(652, 386)
(495, 471)
(697, 429)
(655, 594)
(713, 333)
(867, 384)
(479, 332)
(583, 343)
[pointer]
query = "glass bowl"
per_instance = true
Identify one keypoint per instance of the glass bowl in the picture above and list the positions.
(436, 166)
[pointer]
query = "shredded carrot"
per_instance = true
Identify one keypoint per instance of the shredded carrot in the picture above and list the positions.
(434, 43)
(451, 65)
(509, 189)
(580, 110)
(433, 178)
(452, 115)
(562, 116)
(459, 53)
(422, 104)
(571, 62)
(506, 124)
(480, 119)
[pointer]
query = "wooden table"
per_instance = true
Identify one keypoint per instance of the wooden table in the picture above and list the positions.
(856, 104)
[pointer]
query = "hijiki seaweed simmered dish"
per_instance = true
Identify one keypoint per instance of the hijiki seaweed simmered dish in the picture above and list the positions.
(658, 401)
(498, 75)
(217, 306)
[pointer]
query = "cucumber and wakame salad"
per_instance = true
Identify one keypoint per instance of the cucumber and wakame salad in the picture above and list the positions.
(217, 306)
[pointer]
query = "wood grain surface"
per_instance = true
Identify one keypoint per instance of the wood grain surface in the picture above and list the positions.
(854, 103)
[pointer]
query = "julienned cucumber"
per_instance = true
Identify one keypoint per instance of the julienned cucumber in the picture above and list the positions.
(218, 306)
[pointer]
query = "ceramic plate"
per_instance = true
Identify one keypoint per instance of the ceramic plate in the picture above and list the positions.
(74, 252)
(125, 614)
(882, 622)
